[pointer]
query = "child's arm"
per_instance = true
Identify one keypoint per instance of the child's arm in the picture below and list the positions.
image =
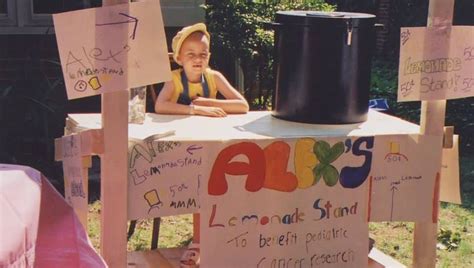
(164, 105)
(234, 103)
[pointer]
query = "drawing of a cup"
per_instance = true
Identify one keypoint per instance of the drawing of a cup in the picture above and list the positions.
(153, 199)
(394, 148)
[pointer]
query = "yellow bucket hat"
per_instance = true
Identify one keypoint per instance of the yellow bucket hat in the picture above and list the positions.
(179, 38)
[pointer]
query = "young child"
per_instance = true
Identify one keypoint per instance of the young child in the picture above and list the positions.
(193, 90)
(194, 87)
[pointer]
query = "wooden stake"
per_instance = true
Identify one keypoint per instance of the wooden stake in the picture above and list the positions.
(440, 13)
(448, 137)
(113, 242)
(86, 164)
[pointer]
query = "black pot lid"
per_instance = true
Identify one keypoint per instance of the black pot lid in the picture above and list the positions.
(318, 18)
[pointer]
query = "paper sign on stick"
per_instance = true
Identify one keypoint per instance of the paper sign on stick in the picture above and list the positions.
(402, 178)
(164, 177)
(112, 48)
(449, 189)
(436, 63)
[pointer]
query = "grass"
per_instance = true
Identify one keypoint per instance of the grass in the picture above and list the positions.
(455, 229)
(396, 238)
(175, 231)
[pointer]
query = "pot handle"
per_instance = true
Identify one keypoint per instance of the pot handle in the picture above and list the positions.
(271, 25)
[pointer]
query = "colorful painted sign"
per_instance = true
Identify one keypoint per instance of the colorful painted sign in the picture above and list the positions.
(112, 48)
(436, 63)
(298, 202)
(306, 202)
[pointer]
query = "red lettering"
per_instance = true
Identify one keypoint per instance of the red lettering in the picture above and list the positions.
(255, 169)
(213, 215)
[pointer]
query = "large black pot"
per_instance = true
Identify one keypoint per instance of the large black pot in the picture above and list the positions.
(323, 62)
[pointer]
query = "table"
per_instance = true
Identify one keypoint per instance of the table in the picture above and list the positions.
(38, 228)
(253, 125)
(372, 171)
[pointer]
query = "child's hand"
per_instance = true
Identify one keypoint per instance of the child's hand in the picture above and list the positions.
(209, 111)
(204, 106)
(201, 101)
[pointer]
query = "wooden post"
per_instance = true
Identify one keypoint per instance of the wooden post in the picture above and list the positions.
(86, 164)
(440, 13)
(113, 242)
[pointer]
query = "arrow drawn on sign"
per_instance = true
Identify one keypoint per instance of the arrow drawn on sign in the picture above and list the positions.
(129, 20)
(193, 147)
(393, 189)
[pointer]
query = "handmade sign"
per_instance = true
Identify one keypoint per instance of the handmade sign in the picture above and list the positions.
(164, 177)
(74, 190)
(436, 63)
(401, 181)
(449, 187)
(292, 203)
(112, 48)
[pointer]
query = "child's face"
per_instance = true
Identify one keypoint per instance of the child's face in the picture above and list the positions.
(194, 54)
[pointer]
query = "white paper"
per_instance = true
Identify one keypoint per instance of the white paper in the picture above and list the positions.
(402, 178)
(112, 48)
(164, 177)
(450, 189)
(436, 63)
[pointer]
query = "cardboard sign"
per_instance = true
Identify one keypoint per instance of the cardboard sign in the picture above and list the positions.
(292, 203)
(436, 63)
(402, 178)
(164, 177)
(112, 48)
(450, 189)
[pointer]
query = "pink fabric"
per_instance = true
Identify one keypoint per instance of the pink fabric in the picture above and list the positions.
(37, 227)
